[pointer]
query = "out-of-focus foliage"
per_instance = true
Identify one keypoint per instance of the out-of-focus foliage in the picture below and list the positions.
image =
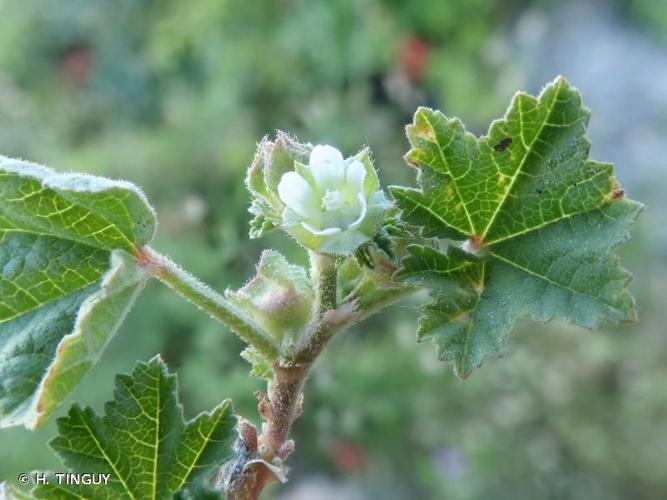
(652, 13)
(174, 96)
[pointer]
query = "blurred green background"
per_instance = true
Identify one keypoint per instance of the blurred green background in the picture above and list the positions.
(173, 95)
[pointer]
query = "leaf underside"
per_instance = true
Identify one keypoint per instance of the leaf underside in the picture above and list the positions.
(67, 279)
(142, 441)
(531, 222)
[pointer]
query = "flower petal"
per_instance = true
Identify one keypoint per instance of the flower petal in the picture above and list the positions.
(324, 232)
(355, 175)
(326, 164)
(362, 216)
(296, 193)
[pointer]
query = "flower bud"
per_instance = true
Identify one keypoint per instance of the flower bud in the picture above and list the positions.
(279, 298)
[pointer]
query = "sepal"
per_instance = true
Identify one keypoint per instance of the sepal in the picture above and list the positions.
(279, 298)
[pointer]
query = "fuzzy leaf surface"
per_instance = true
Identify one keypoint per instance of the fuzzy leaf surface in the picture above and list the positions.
(142, 441)
(67, 279)
(533, 221)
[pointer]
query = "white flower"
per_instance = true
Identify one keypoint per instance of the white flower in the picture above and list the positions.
(329, 201)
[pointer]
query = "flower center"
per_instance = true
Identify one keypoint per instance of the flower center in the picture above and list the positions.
(332, 200)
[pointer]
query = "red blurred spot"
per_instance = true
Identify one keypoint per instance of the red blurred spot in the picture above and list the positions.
(476, 242)
(76, 64)
(414, 53)
(348, 456)
(142, 257)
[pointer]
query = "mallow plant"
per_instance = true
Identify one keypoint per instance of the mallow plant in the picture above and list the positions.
(519, 223)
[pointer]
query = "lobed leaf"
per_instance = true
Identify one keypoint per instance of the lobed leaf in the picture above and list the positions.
(533, 222)
(68, 277)
(142, 442)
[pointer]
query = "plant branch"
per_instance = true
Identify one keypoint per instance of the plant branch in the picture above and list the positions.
(284, 396)
(371, 303)
(325, 274)
(369, 297)
(206, 299)
(262, 457)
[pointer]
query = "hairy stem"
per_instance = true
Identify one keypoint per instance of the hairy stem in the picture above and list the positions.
(262, 456)
(278, 409)
(369, 302)
(284, 396)
(325, 274)
(206, 299)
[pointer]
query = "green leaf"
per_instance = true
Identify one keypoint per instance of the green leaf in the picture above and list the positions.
(260, 367)
(260, 224)
(68, 277)
(531, 219)
(142, 441)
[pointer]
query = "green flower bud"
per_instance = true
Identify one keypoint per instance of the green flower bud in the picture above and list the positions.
(279, 298)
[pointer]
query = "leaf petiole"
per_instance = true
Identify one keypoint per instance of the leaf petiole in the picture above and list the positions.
(209, 301)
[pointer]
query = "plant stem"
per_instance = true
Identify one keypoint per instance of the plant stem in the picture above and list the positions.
(284, 394)
(281, 406)
(367, 299)
(325, 274)
(206, 299)
(369, 302)
(284, 406)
